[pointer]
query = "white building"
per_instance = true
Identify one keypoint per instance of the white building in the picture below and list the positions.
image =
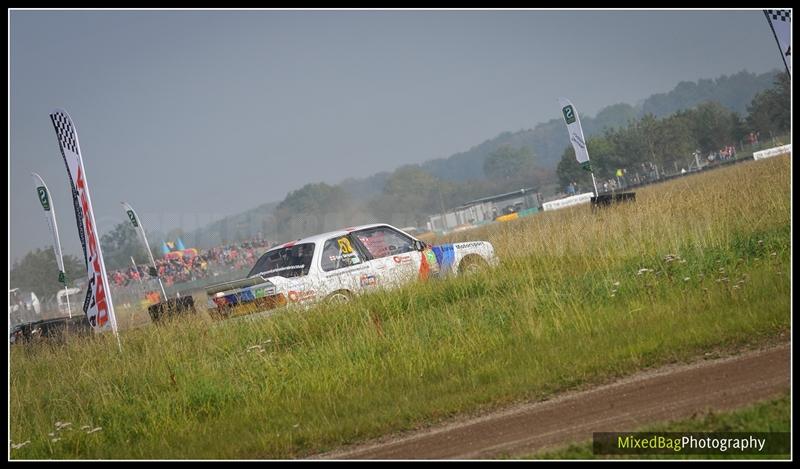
(484, 210)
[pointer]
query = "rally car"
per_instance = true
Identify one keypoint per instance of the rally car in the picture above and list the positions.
(337, 265)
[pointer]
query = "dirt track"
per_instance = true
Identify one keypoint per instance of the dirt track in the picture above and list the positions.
(668, 393)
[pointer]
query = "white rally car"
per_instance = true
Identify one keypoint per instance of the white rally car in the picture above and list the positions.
(335, 266)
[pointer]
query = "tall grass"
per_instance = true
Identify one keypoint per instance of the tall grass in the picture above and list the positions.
(581, 297)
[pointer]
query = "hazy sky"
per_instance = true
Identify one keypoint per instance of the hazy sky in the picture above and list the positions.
(192, 115)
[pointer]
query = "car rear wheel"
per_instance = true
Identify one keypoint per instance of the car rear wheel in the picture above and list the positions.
(339, 297)
(471, 265)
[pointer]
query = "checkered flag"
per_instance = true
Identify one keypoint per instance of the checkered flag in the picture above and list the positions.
(780, 21)
(98, 305)
(68, 141)
(780, 15)
(65, 130)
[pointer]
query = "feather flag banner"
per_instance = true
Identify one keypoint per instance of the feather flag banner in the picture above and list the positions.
(98, 305)
(570, 115)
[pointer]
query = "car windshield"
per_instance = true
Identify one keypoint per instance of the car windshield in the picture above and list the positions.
(384, 241)
(290, 261)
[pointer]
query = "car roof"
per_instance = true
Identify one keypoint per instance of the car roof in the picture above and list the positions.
(330, 234)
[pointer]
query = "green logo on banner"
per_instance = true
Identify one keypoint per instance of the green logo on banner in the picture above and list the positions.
(586, 166)
(569, 114)
(61, 277)
(43, 198)
(133, 218)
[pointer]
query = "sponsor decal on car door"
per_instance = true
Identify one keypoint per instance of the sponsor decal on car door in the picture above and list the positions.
(345, 266)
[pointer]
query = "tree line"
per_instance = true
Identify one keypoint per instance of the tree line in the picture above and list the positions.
(673, 140)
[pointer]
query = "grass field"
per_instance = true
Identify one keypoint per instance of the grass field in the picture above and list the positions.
(769, 416)
(694, 265)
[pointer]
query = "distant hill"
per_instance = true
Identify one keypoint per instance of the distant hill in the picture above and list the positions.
(233, 228)
(547, 140)
(734, 92)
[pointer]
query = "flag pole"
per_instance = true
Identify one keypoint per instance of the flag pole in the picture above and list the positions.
(134, 219)
(66, 295)
(136, 268)
(588, 167)
(50, 214)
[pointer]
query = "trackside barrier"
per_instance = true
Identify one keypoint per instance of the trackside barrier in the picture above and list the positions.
(171, 308)
(568, 201)
(770, 152)
(605, 200)
(57, 329)
(509, 217)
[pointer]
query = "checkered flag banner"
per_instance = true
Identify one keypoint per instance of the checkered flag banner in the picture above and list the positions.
(97, 306)
(780, 21)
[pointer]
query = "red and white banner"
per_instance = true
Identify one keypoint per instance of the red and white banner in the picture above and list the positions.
(97, 305)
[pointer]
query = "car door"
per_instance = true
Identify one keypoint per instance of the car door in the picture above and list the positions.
(345, 266)
(394, 257)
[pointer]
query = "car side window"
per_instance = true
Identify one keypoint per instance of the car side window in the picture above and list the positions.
(338, 253)
(384, 241)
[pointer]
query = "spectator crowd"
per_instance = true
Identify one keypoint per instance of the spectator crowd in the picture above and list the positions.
(724, 154)
(189, 268)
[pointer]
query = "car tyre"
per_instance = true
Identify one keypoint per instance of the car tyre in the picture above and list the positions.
(472, 264)
(339, 297)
